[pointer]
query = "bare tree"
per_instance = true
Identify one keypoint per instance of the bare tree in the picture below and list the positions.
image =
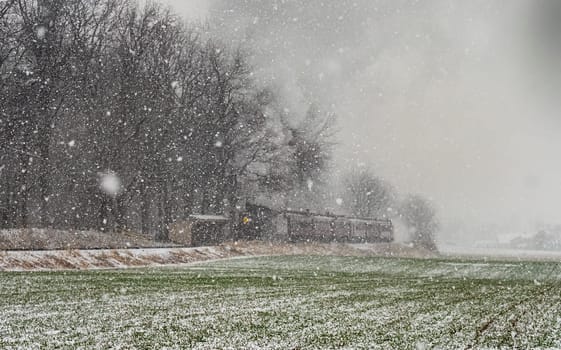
(312, 140)
(420, 216)
(367, 195)
(8, 46)
(94, 87)
(310, 145)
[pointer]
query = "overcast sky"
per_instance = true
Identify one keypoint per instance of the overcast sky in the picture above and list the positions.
(452, 99)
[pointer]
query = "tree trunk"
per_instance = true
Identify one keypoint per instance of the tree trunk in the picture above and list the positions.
(44, 174)
(103, 213)
(165, 215)
(120, 213)
(145, 209)
(205, 202)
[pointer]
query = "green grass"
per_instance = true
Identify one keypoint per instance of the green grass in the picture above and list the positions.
(288, 303)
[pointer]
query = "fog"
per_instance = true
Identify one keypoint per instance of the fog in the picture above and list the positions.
(450, 99)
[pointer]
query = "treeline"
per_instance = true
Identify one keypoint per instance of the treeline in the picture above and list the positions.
(366, 195)
(97, 91)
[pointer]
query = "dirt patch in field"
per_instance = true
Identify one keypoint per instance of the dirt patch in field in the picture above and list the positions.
(123, 258)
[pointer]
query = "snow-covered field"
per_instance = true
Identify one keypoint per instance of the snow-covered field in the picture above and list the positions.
(484, 252)
(288, 302)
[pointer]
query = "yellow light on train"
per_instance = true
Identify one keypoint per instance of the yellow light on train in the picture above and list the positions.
(246, 220)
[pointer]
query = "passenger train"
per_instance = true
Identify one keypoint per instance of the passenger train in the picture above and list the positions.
(305, 226)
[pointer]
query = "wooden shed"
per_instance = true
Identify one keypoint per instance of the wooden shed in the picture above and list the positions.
(199, 230)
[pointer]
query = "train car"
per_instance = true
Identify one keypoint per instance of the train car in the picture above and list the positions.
(342, 230)
(323, 228)
(306, 226)
(300, 227)
(309, 227)
(385, 231)
(359, 231)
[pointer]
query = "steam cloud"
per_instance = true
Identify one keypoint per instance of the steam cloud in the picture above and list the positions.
(452, 99)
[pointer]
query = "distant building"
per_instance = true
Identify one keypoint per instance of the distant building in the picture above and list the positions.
(200, 230)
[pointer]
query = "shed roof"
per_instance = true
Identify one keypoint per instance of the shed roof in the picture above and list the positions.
(201, 217)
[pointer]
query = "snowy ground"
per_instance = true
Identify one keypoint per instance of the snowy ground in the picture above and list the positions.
(493, 253)
(288, 302)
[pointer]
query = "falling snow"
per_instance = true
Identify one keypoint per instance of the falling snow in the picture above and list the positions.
(110, 183)
(210, 122)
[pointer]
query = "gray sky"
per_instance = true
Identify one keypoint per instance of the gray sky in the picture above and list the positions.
(451, 99)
